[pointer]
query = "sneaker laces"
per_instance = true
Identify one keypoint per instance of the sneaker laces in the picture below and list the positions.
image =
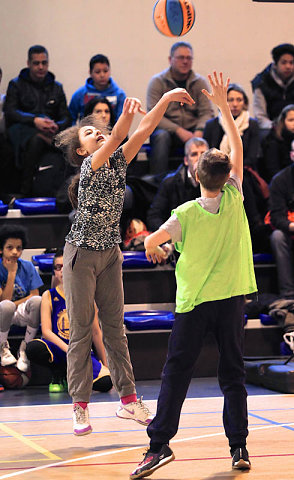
(4, 349)
(145, 453)
(289, 339)
(143, 406)
(81, 414)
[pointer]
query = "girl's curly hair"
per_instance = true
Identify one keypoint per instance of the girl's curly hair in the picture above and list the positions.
(68, 141)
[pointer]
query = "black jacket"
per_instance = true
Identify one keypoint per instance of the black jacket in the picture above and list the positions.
(282, 198)
(275, 95)
(26, 100)
(276, 153)
(174, 190)
(213, 134)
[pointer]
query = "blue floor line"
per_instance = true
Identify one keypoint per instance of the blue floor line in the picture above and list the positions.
(272, 422)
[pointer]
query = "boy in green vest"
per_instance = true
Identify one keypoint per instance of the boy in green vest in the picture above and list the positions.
(214, 272)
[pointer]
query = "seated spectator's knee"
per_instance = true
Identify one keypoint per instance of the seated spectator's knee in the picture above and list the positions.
(128, 199)
(33, 306)
(278, 237)
(7, 310)
(160, 135)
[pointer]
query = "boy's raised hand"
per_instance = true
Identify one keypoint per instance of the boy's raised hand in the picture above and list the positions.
(219, 89)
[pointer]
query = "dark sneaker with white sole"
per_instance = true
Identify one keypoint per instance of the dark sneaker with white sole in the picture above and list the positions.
(240, 460)
(153, 461)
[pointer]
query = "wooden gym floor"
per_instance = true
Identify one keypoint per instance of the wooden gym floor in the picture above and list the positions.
(36, 441)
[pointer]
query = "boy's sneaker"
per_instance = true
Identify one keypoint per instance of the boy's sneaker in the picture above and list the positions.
(81, 423)
(23, 363)
(153, 461)
(5, 355)
(137, 411)
(240, 459)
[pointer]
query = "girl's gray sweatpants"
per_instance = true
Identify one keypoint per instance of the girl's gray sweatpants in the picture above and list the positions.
(90, 276)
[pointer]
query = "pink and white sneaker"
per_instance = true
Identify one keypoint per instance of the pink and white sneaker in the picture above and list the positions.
(137, 411)
(81, 423)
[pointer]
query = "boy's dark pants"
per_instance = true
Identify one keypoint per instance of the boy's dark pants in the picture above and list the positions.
(226, 319)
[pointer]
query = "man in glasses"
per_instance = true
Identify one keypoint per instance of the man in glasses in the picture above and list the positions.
(180, 122)
(35, 110)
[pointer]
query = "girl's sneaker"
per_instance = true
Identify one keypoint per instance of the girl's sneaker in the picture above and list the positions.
(137, 411)
(81, 422)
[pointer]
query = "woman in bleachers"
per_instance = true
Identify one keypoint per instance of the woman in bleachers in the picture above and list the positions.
(276, 146)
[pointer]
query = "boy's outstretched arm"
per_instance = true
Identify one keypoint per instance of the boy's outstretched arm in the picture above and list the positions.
(154, 252)
(219, 98)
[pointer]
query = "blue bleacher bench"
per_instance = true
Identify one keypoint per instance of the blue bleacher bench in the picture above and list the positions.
(267, 319)
(149, 320)
(131, 260)
(3, 208)
(36, 206)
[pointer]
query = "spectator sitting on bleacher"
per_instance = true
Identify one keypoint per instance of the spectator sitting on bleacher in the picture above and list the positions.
(215, 131)
(102, 108)
(19, 295)
(177, 187)
(273, 88)
(179, 123)
(281, 205)
(51, 349)
(35, 110)
(276, 146)
(99, 84)
(9, 177)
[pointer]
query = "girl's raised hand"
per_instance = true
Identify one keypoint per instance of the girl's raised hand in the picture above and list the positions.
(133, 105)
(180, 95)
(219, 89)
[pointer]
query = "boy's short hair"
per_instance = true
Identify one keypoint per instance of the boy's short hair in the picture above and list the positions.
(281, 49)
(213, 167)
(99, 58)
(12, 231)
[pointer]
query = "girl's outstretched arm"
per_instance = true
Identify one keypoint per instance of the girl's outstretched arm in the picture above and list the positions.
(151, 120)
(219, 98)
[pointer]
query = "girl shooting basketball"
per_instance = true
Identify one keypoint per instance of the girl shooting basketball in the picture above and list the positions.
(92, 259)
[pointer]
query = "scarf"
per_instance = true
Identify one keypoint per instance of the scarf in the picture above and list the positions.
(242, 122)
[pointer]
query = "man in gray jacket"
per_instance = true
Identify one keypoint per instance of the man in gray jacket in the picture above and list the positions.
(180, 122)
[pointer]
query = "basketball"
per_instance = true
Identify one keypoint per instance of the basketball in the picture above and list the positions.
(12, 378)
(173, 18)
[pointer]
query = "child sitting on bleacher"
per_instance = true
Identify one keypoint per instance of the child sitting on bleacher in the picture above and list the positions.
(51, 349)
(19, 295)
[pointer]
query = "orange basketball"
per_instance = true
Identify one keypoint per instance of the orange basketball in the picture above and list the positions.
(173, 18)
(12, 378)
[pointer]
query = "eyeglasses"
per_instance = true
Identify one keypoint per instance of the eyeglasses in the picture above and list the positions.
(58, 266)
(181, 58)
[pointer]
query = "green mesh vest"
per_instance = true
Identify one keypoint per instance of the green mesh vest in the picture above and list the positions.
(216, 260)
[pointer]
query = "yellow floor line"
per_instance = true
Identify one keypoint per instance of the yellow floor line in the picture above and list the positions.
(28, 442)
(31, 460)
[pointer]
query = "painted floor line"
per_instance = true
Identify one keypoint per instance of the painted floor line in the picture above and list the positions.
(118, 451)
(28, 442)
